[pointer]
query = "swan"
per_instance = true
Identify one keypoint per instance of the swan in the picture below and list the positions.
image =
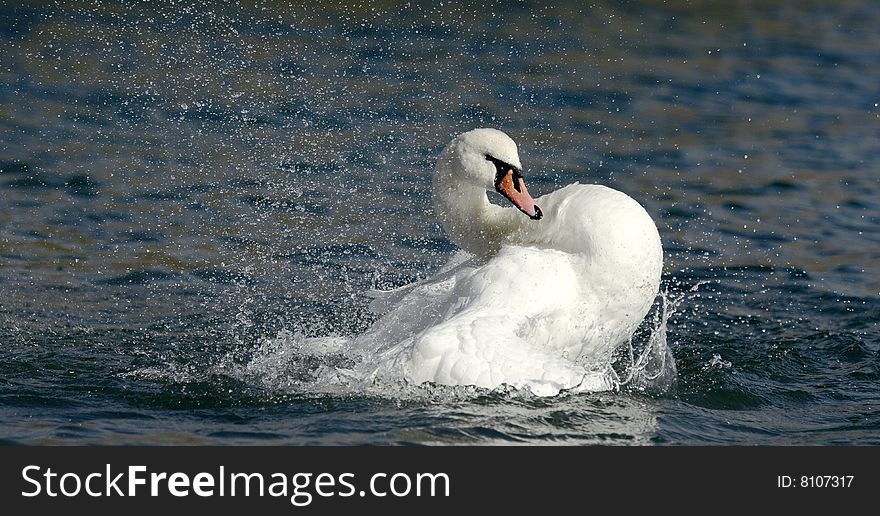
(542, 291)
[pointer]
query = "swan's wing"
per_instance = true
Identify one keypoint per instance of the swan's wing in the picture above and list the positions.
(460, 257)
(484, 325)
(484, 350)
(486, 335)
(383, 301)
(410, 309)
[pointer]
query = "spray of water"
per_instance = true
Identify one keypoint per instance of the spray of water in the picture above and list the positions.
(291, 363)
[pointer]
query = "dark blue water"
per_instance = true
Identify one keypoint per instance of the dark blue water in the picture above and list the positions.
(180, 185)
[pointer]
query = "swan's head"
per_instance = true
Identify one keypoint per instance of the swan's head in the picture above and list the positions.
(488, 158)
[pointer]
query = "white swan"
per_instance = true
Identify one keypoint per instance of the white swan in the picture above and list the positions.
(543, 292)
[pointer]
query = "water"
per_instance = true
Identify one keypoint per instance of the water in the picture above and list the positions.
(189, 193)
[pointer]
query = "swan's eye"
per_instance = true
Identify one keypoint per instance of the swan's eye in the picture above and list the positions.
(500, 165)
(502, 168)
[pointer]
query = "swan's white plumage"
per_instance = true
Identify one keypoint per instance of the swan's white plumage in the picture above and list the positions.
(529, 303)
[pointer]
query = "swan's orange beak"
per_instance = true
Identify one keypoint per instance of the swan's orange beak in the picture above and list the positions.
(511, 185)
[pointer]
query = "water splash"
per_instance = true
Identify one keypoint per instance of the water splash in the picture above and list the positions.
(651, 369)
(292, 363)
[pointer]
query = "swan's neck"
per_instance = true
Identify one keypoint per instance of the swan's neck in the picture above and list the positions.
(471, 221)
